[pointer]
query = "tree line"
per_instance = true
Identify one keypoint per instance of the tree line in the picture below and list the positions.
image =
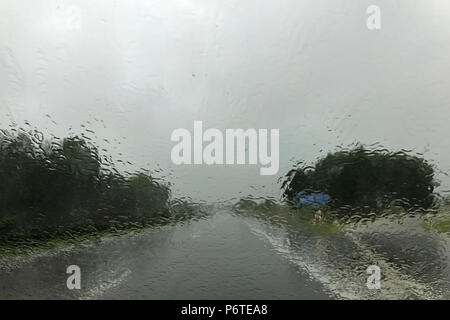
(366, 178)
(46, 184)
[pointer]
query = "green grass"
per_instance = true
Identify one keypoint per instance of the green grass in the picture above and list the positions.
(438, 224)
(45, 240)
(303, 219)
(32, 243)
(29, 241)
(296, 219)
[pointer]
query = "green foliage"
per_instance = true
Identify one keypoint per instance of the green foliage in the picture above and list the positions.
(439, 223)
(48, 184)
(366, 178)
(151, 197)
(291, 217)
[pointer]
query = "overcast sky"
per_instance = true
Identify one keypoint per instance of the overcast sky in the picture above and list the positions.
(134, 71)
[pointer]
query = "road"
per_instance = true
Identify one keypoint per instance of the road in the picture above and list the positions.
(227, 256)
(216, 258)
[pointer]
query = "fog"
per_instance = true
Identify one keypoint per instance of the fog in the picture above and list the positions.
(134, 71)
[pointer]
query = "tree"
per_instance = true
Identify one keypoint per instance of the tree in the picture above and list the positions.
(151, 197)
(366, 178)
(51, 184)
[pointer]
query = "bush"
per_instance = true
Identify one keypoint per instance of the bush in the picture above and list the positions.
(360, 177)
(47, 184)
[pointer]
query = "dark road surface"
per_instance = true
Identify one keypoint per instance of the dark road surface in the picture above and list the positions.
(227, 256)
(218, 258)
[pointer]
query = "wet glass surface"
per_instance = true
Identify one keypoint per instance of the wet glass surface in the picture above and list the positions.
(354, 122)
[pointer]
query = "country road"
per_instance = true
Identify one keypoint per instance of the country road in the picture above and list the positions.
(218, 258)
(224, 256)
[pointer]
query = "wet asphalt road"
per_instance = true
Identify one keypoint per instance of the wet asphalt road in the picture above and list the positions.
(216, 258)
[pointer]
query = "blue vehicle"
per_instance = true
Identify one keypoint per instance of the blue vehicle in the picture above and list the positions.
(314, 198)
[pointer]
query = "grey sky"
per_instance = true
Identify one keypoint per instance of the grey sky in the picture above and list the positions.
(308, 67)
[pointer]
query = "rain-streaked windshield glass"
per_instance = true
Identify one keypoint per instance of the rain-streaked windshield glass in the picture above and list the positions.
(224, 149)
